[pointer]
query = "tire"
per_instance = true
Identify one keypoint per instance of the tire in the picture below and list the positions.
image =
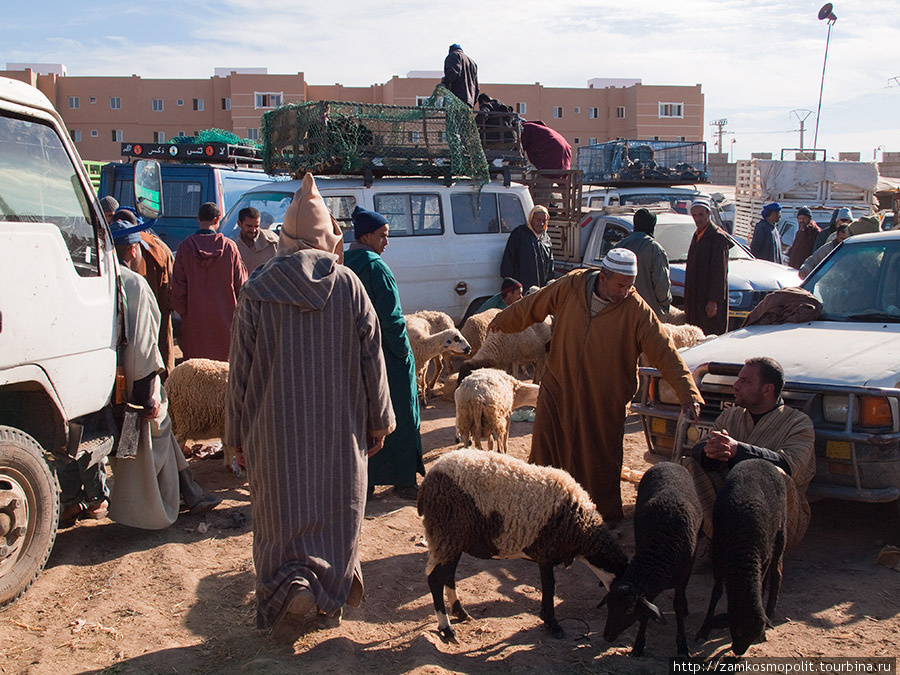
(29, 511)
(473, 307)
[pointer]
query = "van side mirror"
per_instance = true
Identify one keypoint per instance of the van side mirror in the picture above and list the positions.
(148, 188)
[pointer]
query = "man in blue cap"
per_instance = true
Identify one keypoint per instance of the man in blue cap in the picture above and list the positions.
(148, 489)
(461, 76)
(766, 242)
(401, 457)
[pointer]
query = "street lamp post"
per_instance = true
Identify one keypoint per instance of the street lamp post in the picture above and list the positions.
(825, 14)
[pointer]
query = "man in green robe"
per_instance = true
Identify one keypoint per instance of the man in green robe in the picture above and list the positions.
(401, 458)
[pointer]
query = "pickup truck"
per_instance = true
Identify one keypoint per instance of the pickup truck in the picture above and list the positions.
(749, 279)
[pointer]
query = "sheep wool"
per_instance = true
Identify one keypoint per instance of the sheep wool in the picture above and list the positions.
(484, 402)
(196, 389)
(475, 328)
(426, 346)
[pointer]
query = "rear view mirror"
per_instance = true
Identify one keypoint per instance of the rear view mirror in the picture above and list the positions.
(148, 188)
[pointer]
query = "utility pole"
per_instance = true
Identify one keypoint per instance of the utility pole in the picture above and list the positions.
(721, 132)
(802, 120)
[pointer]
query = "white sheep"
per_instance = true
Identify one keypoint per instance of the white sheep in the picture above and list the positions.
(497, 506)
(196, 390)
(686, 335)
(674, 316)
(425, 346)
(484, 402)
(437, 321)
(475, 328)
(509, 351)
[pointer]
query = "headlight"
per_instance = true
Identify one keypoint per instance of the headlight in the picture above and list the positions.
(666, 392)
(835, 409)
(875, 411)
(735, 298)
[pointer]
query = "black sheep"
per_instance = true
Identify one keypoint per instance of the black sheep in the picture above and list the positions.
(749, 524)
(667, 518)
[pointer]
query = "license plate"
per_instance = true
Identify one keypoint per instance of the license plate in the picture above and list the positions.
(837, 449)
(658, 425)
(735, 314)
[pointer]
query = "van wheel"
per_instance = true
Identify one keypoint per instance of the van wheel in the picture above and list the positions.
(29, 510)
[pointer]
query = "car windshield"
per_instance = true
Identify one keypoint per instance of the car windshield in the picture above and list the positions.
(675, 238)
(271, 205)
(859, 282)
(679, 203)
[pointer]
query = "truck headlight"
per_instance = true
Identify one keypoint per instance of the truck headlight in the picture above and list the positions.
(735, 298)
(834, 408)
(875, 411)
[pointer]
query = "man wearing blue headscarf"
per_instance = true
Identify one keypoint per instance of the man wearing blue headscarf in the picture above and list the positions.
(401, 457)
(766, 242)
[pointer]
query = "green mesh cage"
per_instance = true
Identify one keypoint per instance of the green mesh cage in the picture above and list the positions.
(215, 136)
(438, 138)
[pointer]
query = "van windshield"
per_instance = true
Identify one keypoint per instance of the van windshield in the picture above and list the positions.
(270, 204)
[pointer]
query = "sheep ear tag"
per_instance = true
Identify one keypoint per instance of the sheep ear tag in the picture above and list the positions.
(655, 614)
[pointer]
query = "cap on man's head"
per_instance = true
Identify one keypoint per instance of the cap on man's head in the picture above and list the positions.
(644, 221)
(701, 202)
(770, 208)
(454, 47)
(844, 214)
(804, 211)
(127, 216)
(124, 232)
(621, 261)
(509, 284)
(366, 222)
(109, 204)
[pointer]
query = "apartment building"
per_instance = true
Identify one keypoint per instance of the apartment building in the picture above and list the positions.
(102, 112)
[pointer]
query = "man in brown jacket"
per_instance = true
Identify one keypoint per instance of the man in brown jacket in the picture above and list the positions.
(601, 326)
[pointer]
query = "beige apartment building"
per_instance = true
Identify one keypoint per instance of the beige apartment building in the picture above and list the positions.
(102, 112)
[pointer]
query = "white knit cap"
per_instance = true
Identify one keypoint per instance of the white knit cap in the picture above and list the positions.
(701, 202)
(621, 261)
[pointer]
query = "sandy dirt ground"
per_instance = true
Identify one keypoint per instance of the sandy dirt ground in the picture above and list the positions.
(178, 601)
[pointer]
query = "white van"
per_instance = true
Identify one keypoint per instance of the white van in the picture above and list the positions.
(445, 243)
(59, 305)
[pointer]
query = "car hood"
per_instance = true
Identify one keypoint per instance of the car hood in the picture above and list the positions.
(819, 352)
(749, 275)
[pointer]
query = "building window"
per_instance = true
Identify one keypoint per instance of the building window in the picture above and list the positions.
(156, 105)
(620, 112)
(159, 136)
(226, 104)
(593, 113)
(94, 133)
(557, 112)
(115, 103)
(420, 100)
(413, 136)
(117, 135)
(76, 135)
(74, 103)
(93, 99)
(577, 110)
(671, 110)
(577, 141)
(520, 108)
(682, 138)
(180, 134)
(592, 141)
(198, 104)
(656, 138)
(179, 101)
(253, 134)
(268, 99)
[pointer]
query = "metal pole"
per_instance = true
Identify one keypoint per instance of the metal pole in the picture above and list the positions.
(822, 86)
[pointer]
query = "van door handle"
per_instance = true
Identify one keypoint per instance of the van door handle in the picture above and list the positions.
(461, 288)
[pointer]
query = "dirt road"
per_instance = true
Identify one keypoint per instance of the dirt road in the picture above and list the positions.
(116, 600)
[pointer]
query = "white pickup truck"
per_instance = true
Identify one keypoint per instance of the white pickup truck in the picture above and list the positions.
(59, 311)
(749, 279)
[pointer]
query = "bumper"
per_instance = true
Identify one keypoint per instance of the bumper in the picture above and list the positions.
(850, 464)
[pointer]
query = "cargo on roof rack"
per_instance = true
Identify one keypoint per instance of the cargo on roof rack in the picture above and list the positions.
(635, 162)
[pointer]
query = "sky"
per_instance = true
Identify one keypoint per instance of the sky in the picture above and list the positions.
(756, 61)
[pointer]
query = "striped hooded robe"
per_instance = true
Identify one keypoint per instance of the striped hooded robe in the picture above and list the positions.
(306, 385)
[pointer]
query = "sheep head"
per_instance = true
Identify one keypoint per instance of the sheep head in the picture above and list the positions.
(455, 343)
(603, 554)
(525, 394)
(627, 604)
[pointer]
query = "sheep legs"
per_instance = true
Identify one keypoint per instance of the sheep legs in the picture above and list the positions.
(681, 611)
(548, 591)
(444, 575)
(773, 578)
(718, 586)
